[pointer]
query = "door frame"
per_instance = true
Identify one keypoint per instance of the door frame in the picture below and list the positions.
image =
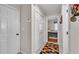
(65, 28)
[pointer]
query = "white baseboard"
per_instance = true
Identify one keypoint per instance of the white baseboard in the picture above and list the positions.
(24, 52)
(39, 50)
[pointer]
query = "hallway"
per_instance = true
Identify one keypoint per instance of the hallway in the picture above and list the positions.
(30, 26)
(24, 28)
(51, 47)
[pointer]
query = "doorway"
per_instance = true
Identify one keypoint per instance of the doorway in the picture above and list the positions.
(52, 30)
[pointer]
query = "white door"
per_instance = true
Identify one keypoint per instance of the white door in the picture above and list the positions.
(10, 27)
(3, 30)
(13, 30)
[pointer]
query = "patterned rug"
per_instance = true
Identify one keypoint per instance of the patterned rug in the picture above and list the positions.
(52, 39)
(50, 48)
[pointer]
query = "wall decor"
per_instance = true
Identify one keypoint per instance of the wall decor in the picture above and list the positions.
(75, 9)
(73, 19)
(61, 20)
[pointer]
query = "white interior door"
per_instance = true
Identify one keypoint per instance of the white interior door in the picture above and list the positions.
(3, 30)
(13, 30)
(10, 30)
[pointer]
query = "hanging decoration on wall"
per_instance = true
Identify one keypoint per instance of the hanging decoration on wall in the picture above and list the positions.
(74, 11)
(61, 20)
(73, 19)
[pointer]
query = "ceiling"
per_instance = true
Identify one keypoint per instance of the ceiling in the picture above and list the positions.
(52, 20)
(50, 9)
(47, 9)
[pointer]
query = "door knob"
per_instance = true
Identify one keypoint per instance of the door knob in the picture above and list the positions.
(67, 33)
(17, 33)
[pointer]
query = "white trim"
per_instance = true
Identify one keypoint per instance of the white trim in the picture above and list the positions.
(65, 25)
(25, 52)
(46, 29)
(60, 35)
(38, 52)
(22, 52)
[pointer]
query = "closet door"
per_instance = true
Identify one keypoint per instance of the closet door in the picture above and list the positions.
(3, 30)
(13, 31)
(9, 30)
